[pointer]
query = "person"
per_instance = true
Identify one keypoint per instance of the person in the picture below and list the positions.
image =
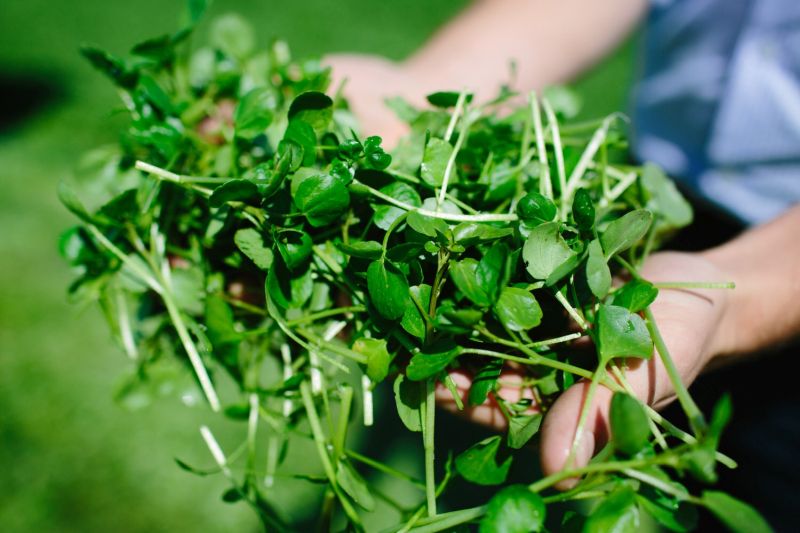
(717, 105)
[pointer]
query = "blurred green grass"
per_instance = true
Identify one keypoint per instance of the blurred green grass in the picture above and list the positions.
(70, 459)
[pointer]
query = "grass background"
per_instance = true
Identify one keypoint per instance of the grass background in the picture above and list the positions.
(71, 459)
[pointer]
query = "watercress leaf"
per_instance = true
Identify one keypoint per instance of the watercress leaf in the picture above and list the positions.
(622, 334)
(517, 309)
(290, 157)
(183, 465)
(598, 275)
(253, 113)
(515, 509)
(432, 360)
(122, 208)
(491, 270)
(427, 225)
(635, 295)
(583, 210)
(155, 94)
(313, 107)
(618, 512)
(237, 190)
(464, 274)
(665, 199)
(485, 381)
(625, 231)
(680, 518)
(566, 102)
(378, 357)
(386, 214)
(413, 321)
(266, 180)
(408, 398)
(354, 485)
(737, 516)
(113, 67)
(629, 427)
(563, 270)
(388, 289)
(301, 133)
(434, 162)
(71, 201)
(362, 249)
(534, 209)
(251, 244)
(522, 428)
(322, 198)
(482, 464)
(233, 36)
(471, 233)
(446, 98)
(294, 246)
(288, 289)
(460, 317)
(545, 250)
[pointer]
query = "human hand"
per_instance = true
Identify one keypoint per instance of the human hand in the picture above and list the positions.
(692, 323)
(369, 81)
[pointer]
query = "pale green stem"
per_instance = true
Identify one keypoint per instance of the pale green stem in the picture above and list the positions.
(571, 310)
(693, 413)
(545, 185)
(428, 444)
(562, 179)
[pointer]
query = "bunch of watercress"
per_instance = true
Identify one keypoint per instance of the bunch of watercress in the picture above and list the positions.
(245, 235)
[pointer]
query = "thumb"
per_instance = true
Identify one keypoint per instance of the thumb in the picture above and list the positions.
(560, 425)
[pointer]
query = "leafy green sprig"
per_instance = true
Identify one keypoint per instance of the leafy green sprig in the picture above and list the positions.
(246, 231)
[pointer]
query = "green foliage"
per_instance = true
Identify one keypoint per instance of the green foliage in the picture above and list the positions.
(265, 245)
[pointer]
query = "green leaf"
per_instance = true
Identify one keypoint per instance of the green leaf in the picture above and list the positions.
(427, 225)
(566, 102)
(232, 495)
(302, 134)
(233, 35)
(635, 295)
(545, 250)
(313, 107)
(386, 214)
(625, 231)
(515, 509)
(113, 67)
(251, 244)
(434, 162)
(472, 233)
(485, 381)
(680, 516)
(71, 201)
(737, 516)
(481, 463)
(322, 198)
(238, 190)
(465, 276)
(534, 209)
(432, 360)
(629, 427)
(266, 180)
(294, 246)
(445, 98)
(583, 210)
(617, 513)
(522, 428)
(408, 398)
(665, 199)
(622, 334)
(362, 249)
(388, 289)
(517, 309)
(287, 288)
(491, 271)
(254, 113)
(413, 321)
(378, 357)
(354, 485)
(598, 275)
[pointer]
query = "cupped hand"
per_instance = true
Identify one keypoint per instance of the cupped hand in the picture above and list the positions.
(693, 325)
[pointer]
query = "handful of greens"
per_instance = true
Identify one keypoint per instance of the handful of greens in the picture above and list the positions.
(247, 235)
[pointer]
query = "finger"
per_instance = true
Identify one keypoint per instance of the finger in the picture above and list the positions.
(489, 413)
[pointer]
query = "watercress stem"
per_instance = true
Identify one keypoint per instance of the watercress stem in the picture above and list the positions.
(428, 444)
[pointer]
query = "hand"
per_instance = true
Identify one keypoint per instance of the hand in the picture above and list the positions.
(369, 80)
(693, 325)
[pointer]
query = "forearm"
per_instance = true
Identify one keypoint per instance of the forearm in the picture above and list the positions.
(764, 309)
(550, 40)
